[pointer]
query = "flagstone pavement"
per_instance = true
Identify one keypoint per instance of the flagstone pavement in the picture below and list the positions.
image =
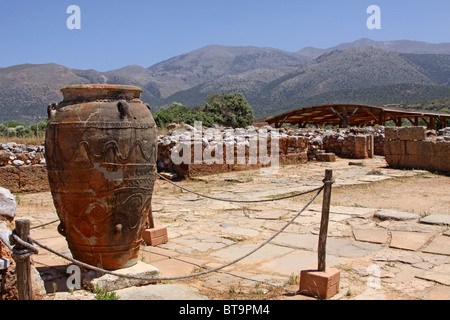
(382, 254)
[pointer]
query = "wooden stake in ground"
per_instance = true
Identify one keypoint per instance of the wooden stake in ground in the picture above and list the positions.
(322, 283)
(328, 181)
(23, 265)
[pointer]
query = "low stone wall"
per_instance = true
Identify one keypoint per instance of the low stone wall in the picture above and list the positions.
(30, 178)
(416, 148)
(295, 147)
(22, 168)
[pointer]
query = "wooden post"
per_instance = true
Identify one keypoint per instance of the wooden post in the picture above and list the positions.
(23, 266)
(324, 221)
(322, 283)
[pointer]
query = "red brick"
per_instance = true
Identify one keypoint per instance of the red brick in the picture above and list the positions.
(155, 236)
(323, 285)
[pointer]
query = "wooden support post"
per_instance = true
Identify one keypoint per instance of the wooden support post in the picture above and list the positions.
(23, 266)
(322, 283)
(324, 221)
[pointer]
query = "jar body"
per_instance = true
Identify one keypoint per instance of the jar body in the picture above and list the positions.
(101, 148)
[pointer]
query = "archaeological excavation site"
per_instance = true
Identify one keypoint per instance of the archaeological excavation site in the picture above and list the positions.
(336, 202)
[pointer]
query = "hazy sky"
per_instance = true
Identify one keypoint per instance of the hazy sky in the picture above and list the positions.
(118, 33)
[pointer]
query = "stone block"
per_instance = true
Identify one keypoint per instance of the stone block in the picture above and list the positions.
(417, 161)
(390, 133)
(155, 236)
(411, 133)
(322, 285)
(7, 204)
(440, 163)
(297, 142)
(396, 147)
(142, 271)
(441, 149)
(361, 149)
(413, 147)
(394, 160)
(326, 157)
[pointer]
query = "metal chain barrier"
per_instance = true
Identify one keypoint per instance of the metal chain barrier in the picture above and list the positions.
(29, 249)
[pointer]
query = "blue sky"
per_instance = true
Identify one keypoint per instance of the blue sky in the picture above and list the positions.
(118, 33)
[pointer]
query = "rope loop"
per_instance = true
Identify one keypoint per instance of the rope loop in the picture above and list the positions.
(21, 254)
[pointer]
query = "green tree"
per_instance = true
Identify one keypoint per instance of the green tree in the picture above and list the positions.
(176, 112)
(230, 110)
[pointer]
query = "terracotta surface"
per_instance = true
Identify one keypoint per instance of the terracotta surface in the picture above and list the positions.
(101, 152)
(321, 284)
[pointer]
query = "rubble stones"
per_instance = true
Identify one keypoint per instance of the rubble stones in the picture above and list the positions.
(7, 204)
(15, 154)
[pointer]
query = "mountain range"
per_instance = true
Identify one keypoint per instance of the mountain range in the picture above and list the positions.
(272, 80)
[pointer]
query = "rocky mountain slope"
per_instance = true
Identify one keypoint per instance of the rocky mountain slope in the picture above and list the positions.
(272, 80)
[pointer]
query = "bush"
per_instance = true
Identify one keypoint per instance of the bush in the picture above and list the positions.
(231, 110)
(175, 113)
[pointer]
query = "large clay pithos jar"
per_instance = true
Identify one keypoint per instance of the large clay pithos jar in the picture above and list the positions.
(101, 148)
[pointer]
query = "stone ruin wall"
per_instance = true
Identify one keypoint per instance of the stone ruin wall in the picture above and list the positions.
(295, 147)
(417, 148)
(23, 169)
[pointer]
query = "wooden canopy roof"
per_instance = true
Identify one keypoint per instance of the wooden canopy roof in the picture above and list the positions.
(345, 115)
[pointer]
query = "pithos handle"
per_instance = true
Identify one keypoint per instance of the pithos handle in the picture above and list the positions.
(51, 110)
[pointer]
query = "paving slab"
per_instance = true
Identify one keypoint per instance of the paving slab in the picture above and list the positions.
(351, 211)
(439, 274)
(298, 241)
(93, 279)
(350, 249)
(234, 230)
(188, 244)
(161, 292)
(294, 262)
(438, 293)
(271, 214)
(269, 251)
(409, 240)
(440, 245)
(371, 235)
(385, 214)
(260, 277)
(439, 219)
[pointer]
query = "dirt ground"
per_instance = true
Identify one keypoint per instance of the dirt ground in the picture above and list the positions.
(424, 194)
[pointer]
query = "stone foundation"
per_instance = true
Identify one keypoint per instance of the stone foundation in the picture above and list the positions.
(27, 178)
(409, 147)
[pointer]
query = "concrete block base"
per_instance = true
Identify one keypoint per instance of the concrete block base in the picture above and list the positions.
(155, 236)
(322, 285)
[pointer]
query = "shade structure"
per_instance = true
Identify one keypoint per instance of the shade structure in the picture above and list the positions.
(349, 115)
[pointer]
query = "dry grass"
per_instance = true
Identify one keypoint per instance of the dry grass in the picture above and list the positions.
(26, 141)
